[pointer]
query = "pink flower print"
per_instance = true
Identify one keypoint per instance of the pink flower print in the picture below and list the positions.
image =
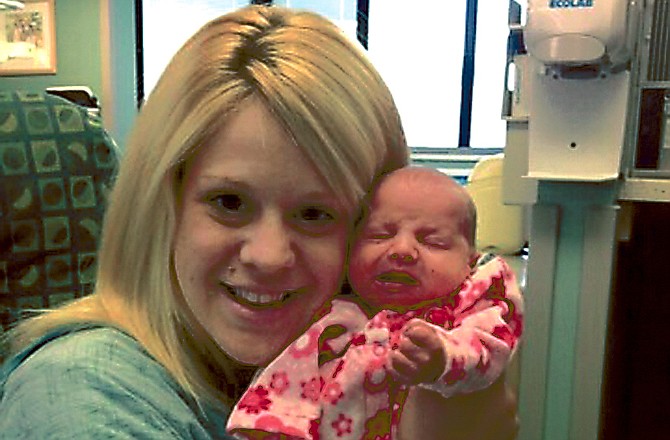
(311, 390)
(475, 291)
(342, 425)
(456, 372)
(255, 400)
(338, 369)
(272, 424)
(377, 354)
(483, 366)
(376, 376)
(378, 321)
(439, 316)
(306, 345)
(503, 332)
(314, 428)
(394, 340)
(516, 324)
(397, 321)
(358, 339)
(379, 350)
(477, 345)
(333, 392)
(279, 382)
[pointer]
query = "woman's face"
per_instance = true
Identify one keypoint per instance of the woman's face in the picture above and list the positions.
(260, 243)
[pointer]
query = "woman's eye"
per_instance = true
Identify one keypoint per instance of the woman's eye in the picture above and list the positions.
(314, 214)
(228, 202)
(316, 219)
(230, 208)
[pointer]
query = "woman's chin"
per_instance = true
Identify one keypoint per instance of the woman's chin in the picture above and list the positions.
(254, 353)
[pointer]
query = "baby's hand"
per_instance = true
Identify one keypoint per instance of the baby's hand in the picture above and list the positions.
(419, 357)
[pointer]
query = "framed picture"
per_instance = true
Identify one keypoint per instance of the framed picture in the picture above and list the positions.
(28, 39)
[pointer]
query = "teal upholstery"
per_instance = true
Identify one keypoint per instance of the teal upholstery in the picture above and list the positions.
(56, 166)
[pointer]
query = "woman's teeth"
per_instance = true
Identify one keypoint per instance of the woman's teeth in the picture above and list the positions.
(259, 298)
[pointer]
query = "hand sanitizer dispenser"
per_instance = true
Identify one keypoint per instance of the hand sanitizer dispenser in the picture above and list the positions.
(577, 32)
(579, 85)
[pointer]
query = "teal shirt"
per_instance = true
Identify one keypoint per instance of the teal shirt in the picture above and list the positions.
(97, 383)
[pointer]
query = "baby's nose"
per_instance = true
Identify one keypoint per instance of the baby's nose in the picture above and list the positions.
(403, 250)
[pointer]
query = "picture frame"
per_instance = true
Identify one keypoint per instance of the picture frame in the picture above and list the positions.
(28, 39)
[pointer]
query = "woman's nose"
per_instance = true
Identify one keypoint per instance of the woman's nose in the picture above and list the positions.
(267, 246)
(403, 249)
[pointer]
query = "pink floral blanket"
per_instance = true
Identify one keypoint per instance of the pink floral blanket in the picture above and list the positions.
(334, 383)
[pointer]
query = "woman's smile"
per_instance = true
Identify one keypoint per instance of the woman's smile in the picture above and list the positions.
(261, 300)
(258, 299)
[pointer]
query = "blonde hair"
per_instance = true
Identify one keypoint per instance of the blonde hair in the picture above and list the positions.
(318, 84)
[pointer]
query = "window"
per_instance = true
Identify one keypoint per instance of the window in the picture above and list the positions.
(167, 24)
(447, 79)
(421, 53)
(487, 127)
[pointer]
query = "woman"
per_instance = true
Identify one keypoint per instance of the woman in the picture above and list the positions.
(225, 235)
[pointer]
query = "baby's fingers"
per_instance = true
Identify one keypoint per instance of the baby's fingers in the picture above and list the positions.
(412, 352)
(403, 369)
(421, 334)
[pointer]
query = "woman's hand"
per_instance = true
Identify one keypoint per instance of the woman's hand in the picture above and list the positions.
(490, 414)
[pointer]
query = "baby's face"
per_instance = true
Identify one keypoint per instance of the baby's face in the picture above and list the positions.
(411, 248)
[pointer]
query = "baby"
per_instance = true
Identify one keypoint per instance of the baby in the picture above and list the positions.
(430, 312)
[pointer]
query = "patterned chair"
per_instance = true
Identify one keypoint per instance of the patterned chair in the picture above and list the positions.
(56, 166)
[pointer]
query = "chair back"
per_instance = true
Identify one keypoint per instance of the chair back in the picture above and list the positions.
(57, 163)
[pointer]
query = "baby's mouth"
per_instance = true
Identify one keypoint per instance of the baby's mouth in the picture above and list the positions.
(397, 278)
(254, 299)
